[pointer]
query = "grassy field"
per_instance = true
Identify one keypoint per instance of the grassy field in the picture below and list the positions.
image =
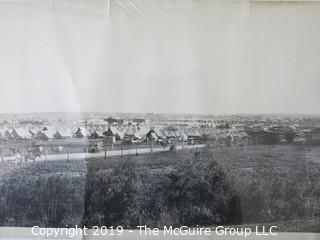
(276, 184)
(256, 184)
(41, 194)
(272, 184)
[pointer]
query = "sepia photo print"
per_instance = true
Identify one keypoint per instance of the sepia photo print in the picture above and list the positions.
(160, 114)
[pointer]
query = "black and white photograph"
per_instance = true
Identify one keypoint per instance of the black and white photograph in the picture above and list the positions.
(180, 116)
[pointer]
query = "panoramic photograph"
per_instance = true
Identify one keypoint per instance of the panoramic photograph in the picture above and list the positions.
(179, 117)
(91, 169)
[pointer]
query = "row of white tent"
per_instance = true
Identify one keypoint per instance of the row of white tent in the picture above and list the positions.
(30, 133)
(132, 132)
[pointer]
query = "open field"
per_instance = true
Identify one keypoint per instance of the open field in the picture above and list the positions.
(257, 184)
(268, 184)
(42, 194)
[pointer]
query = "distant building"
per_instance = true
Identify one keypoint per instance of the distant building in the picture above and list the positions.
(112, 121)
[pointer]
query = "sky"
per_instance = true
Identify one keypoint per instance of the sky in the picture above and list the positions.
(180, 56)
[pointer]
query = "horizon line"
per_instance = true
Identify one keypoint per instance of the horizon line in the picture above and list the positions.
(159, 113)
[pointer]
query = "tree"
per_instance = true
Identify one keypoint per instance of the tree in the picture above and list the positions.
(289, 136)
